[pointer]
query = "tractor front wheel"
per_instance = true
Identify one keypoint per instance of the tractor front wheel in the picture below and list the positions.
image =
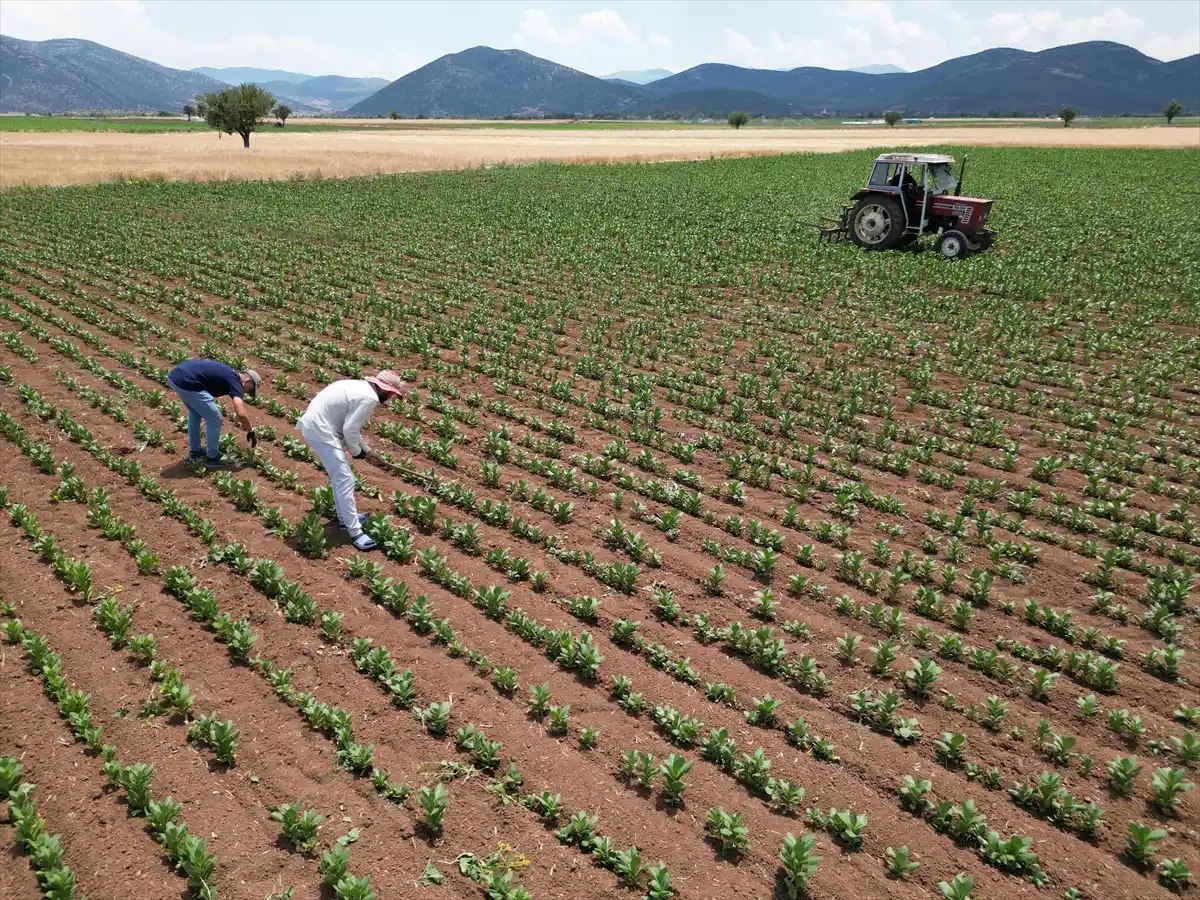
(953, 245)
(877, 223)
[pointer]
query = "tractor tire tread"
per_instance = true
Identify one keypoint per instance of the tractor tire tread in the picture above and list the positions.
(895, 233)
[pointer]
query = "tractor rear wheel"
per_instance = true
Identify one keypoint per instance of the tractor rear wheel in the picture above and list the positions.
(953, 245)
(876, 223)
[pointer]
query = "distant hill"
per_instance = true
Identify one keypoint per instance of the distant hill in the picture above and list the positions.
(242, 74)
(304, 93)
(331, 93)
(1097, 78)
(71, 75)
(482, 82)
(638, 76)
(713, 102)
(879, 69)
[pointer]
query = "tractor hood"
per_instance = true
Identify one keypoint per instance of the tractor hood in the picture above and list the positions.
(971, 212)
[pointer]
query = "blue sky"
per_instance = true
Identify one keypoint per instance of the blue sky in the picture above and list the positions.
(389, 39)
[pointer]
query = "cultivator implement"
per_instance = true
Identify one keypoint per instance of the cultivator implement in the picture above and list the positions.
(832, 231)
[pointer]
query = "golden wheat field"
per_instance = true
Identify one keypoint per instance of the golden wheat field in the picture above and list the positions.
(78, 158)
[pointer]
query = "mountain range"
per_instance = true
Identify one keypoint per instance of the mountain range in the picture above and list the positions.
(879, 69)
(638, 76)
(80, 76)
(70, 75)
(304, 93)
(1096, 78)
(242, 74)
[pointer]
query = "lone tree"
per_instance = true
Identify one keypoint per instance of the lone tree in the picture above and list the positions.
(1171, 110)
(738, 119)
(892, 117)
(1067, 114)
(189, 111)
(282, 111)
(238, 109)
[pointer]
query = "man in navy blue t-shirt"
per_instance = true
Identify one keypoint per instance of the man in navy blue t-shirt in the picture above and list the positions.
(197, 382)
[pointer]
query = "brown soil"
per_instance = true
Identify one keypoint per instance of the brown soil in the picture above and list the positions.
(289, 761)
(661, 687)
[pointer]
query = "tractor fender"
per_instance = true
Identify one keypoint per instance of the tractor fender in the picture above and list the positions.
(871, 192)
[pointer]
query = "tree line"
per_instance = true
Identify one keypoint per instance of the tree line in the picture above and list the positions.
(243, 108)
(893, 117)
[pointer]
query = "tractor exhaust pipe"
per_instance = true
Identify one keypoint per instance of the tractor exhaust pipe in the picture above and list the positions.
(961, 169)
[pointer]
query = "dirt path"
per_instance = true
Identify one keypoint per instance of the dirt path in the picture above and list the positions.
(81, 158)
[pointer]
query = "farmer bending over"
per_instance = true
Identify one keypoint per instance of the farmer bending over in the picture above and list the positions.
(198, 382)
(335, 418)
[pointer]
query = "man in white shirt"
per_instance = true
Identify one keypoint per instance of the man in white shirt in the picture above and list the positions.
(335, 419)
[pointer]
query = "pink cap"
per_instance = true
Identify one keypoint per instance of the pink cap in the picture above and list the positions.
(388, 381)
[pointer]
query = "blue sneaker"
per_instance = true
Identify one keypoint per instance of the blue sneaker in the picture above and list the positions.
(364, 542)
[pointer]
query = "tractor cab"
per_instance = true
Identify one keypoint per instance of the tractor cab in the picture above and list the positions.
(913, 194)
(927, 174)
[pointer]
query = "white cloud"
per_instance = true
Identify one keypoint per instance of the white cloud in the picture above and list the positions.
(605, 24)
(535, 28)
(1041, 29)
(860, 32)
(921, 33)
(776, 51)
(740, 49)
(1171, 46)
(115, 23)
(598, 41)
(876, 33)
(127, 25)
(794, 51)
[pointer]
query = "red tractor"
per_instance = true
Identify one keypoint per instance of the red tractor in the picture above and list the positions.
(910, 195)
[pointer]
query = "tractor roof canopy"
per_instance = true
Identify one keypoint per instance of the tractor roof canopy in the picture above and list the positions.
(915, 158)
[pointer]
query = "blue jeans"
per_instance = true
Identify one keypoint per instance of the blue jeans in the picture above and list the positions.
(201, 406)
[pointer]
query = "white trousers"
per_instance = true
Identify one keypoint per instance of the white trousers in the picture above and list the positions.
(341, 479)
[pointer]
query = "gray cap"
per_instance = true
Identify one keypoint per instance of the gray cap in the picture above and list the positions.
(255, 380)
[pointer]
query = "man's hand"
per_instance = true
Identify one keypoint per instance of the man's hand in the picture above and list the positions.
(370, 455)
(251, 438)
